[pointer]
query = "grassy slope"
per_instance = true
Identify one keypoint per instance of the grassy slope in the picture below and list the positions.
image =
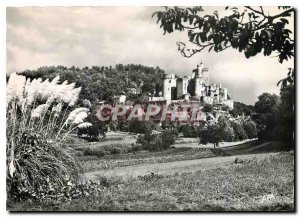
(109, 162)
(258, 186)
(173, 167)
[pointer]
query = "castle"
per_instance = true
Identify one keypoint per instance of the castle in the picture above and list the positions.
(194, 88)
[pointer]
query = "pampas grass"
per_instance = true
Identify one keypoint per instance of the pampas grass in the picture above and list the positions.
(36, 112)
(84, 125)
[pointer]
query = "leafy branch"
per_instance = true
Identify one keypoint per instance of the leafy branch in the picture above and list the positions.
(252, 34)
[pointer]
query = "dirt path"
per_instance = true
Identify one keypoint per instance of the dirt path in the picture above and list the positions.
(193, 143)
(173, 167)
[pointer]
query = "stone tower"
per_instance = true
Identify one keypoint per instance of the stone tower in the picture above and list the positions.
(182, 87)
(199, 80)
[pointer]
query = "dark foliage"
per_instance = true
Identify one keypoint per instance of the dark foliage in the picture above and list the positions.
(241, 108)
(285, 114)
(250, 129)
(41, 169)
(189, 131)
(102, 83)
(208, 108)
(157, 142)
(248, 30)
(136, 126)
(265, 118)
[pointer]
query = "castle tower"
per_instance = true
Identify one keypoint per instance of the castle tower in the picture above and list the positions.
(182, 85)
(205, 75)
(223, 94)
(168, 86)
(199, 80)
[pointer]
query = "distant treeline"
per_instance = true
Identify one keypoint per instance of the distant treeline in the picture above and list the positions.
(102, 82)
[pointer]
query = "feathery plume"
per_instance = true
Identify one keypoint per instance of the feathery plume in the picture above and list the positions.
(39, 111)
(80, 117)
(74, 113)
(15, 87)
(84, 125)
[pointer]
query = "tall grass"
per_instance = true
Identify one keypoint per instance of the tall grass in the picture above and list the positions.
(39, 116)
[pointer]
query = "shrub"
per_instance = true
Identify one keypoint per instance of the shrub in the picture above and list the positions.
(156, 142)
(37, 122)
(168, 139)
(136, 126)
(107, 149)
(188, 131)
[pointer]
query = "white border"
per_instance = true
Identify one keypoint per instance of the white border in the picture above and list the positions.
(21, 3)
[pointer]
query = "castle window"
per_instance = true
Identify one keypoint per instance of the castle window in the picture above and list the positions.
(169, 81)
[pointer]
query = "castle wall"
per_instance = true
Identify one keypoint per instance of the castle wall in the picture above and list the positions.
(177, 88)
(182, 85)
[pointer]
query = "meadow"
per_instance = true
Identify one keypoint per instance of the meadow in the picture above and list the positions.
(261, 185)
(177, 179)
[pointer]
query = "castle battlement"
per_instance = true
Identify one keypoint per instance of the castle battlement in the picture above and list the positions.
(195, 87)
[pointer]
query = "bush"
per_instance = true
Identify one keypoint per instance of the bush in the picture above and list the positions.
(188, 131)
(107, 149)
(156, 142)
(250, 129)
(140, 127)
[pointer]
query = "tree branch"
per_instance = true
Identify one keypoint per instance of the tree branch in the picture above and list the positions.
(256, 11)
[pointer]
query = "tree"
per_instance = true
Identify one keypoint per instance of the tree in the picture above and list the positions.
(285, 114)
(266, 103)
(217, 132)
(241, 108)
(102, 83)
(239, 130)
(250, 129)
(211, 134)
(264, 116)
(251, 30)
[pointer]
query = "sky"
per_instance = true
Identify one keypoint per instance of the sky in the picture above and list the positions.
(103, 36)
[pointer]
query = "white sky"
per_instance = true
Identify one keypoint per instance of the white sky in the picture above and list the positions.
(87, 36)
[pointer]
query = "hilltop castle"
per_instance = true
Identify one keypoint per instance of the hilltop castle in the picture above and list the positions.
(194, 88)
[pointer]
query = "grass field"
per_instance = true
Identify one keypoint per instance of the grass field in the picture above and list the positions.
(260, 185)
(179, 179)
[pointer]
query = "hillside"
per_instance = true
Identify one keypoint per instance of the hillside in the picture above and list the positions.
(102, 82)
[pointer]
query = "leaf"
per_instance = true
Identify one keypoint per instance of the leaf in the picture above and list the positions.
(285, 21)
(216, 14)
(156, 12)
(279, 82)
(226, 7)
